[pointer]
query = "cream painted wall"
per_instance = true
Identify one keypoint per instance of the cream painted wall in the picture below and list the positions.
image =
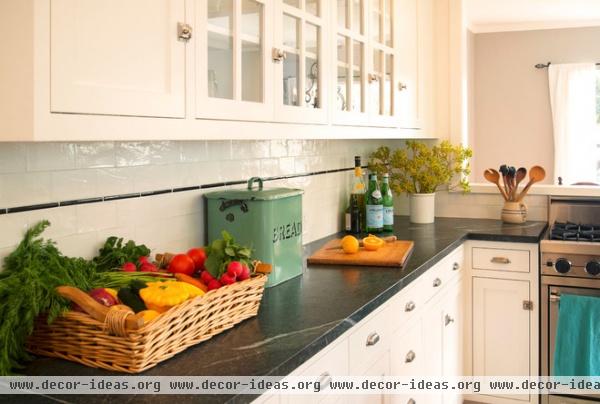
(513, 122)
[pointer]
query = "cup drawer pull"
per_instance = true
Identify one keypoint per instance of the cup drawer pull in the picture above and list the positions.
(437, 282)
(456, 266)
(410, 356)
(410, 306)
(500, 260)
(372, 339)
(324, 380)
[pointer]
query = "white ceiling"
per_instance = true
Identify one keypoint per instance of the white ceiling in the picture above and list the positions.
(517, 15)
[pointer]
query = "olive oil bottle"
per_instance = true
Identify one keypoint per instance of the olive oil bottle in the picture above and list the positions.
(355, 214)
(374, 206)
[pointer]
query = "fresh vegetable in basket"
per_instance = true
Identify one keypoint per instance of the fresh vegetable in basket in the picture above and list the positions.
(223, 251)
(27, 289)
(114, 254)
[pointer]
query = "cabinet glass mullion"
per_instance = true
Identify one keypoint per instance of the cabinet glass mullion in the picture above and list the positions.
(237, 49)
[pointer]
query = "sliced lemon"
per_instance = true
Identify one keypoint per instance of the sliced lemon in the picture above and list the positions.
(372, 243)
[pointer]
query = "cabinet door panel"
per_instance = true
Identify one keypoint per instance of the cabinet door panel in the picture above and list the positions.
(117, 57)
(501, 327)
(408, 97)
(452, 340)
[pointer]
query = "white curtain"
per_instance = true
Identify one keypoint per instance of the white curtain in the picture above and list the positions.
(573, 100)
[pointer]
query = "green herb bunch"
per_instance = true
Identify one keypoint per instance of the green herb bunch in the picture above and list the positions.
(223, 251)
(114, 254)
(27, 288)
(420, 169)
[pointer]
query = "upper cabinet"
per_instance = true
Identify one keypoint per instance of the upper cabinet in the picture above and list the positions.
(234, 69)
(105, 59)
(192, 69)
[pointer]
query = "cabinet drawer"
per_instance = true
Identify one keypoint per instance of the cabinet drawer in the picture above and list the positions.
(442, 273)
(368, 342)
(497, 259)
(333, 363)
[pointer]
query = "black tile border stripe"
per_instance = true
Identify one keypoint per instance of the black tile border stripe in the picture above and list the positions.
(110, 198)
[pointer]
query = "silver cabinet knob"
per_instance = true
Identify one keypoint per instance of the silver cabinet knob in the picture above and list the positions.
(372, 339)
(410, 356)
(455, 266)
(410, 306)
(279, 55)
(401, 86)
(184, 32)
(437, 282)
(324, 380)
(448, 319)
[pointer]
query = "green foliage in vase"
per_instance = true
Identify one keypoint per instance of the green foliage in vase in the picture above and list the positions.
(421, 169)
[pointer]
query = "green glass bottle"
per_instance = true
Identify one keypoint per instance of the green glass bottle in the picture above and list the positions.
(357, 196)
(388, 204)
(374, 208)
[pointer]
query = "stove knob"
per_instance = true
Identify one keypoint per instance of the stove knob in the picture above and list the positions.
(562, 265)
(592, 268)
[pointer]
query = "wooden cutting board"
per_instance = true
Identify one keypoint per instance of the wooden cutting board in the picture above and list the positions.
(392, 254)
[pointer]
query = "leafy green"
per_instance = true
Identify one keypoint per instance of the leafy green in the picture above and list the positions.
(27, 289)
(419, 168)
(223, 251)
(114, 254)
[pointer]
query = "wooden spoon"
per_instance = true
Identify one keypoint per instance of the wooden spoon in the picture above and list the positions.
(521, 174)
(95, 309)
(493, 176)
(536, 174)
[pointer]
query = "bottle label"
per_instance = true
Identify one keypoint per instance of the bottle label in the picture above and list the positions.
(374, 216)
(388, 215)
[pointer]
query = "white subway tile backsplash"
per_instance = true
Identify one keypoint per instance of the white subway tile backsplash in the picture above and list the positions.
(95, 155)
(193, 151)
(250, 149)
(13, 158)
(22, 189)
(269, 167)
(279, 148)
(115, 181)
(50, 156)
(219, 150)
(74, 184)
(96, 216)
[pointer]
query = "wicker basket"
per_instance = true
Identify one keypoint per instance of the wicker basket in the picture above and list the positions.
(79, 338)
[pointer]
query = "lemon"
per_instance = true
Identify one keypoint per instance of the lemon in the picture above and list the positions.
(372, 243)
(350, 245)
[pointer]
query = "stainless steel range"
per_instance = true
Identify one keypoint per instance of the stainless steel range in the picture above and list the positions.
(570, 263)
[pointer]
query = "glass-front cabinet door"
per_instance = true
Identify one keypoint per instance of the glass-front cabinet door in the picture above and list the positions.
(366, 73)
(233, 59)
(299, 58)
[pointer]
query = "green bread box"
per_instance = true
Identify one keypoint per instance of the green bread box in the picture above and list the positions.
(267, 219)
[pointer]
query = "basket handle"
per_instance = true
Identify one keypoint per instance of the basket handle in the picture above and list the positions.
(251, 182)
(96, 310)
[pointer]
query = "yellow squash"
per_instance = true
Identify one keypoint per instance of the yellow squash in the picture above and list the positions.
(161, 296)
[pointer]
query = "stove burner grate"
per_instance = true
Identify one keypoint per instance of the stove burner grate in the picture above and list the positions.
(575, 232)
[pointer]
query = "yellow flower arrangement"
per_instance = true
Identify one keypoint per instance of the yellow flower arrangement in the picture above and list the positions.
(420, 169)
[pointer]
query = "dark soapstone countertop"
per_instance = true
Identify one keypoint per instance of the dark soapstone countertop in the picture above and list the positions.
(300, 317)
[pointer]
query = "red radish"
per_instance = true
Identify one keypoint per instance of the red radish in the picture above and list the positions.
(198, 255)
(245, 273)
(235, 269)
(214, 284)
(182, 264)
(206, 277)
(227, 279)
(129, 267)
(148, 267)
(143, 260)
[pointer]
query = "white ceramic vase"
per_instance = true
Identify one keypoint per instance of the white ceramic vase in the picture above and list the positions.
(422, 208)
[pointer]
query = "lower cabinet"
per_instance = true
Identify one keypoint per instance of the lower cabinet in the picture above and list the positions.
(380, 368)
(503, 337)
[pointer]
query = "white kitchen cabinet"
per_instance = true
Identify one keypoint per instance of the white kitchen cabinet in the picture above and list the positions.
(109, 57)
(94, 70)
(503, 337)
(380, 368)
(407, 358)
(234, 68)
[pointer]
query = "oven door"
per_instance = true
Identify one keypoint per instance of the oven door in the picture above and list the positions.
(552, 288)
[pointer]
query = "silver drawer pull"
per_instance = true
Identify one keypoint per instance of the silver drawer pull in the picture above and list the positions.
(372, 339)
(456, 266)
(411, 401)
(410, 356)
(448, 319)
(324, 380)
(410, 306)
(437, 282)
(500, 260)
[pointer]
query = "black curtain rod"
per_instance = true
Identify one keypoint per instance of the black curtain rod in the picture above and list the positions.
(545, 65)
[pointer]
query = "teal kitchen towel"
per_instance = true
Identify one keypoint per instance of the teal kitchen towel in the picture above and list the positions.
(577, 350)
